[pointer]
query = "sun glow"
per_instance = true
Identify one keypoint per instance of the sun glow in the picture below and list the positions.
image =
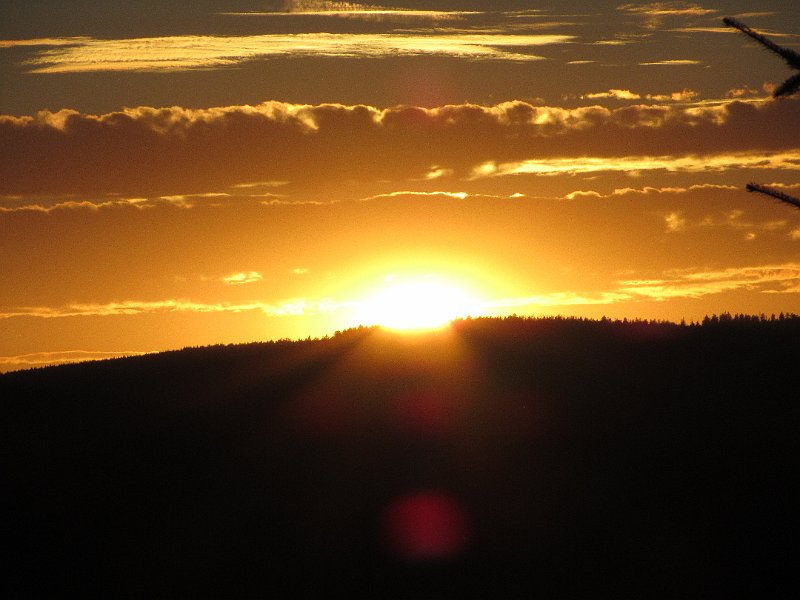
(416, 304)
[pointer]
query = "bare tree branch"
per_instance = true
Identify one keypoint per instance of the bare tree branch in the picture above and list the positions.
(778, 195)
(792, 58)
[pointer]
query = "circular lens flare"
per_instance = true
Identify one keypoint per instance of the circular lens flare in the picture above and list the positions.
(426, 526)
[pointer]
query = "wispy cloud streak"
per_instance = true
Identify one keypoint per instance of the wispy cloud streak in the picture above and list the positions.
(41, 359)
(773, 278)
(191, 52)
(687, 284)
(663, 9)
(673, 62)
(242, 278)
(637, 164)
(295, 307)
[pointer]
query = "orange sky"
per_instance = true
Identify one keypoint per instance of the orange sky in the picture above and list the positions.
(303, 165)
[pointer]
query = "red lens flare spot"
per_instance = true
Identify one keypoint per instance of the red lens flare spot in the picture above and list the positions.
(426, 526)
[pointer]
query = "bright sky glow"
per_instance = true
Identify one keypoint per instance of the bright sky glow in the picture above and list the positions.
(416, 304)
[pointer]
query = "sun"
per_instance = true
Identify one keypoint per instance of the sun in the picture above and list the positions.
(413, 304)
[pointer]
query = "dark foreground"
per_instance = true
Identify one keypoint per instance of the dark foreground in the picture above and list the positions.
(503, 459)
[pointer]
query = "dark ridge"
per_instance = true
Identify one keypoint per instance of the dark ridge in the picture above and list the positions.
(501, 458)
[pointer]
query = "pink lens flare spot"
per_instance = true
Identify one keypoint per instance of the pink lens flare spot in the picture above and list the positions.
(426, 526)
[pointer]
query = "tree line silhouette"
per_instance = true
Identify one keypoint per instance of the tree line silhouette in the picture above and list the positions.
(513, 457)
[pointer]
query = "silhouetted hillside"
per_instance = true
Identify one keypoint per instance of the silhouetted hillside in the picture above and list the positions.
(503, 458)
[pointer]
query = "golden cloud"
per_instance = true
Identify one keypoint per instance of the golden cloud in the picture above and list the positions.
(318, 6)
(79, 55)
(675, 221)
(660, 9)
(694, 284)
(684, 95)
(453, 195)
(65, 41)
(677, 62)
(555, 299)
(40, 359)
(637, 164)
(295, 307)
(617, 94)
(583, 194)
(172, 152)
(242, 278)
(780, 278)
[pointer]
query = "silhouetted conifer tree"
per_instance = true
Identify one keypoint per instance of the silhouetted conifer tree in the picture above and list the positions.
(787, 88)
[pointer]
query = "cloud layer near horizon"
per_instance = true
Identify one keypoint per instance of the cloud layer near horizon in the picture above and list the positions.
(176, 150)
